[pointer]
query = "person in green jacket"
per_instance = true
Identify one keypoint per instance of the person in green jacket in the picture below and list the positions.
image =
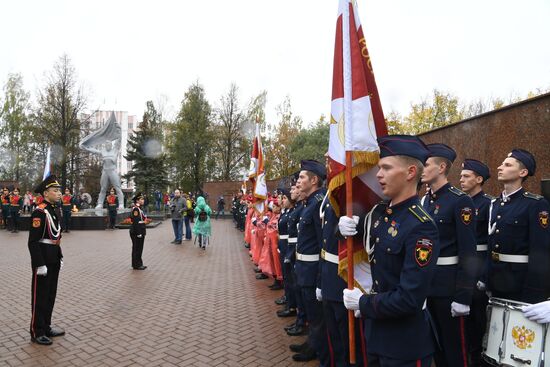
(202, 227)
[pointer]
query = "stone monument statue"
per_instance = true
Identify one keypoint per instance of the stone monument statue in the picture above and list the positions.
(106, 143)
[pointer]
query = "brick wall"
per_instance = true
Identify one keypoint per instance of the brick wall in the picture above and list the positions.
(228, 189)
(491, 136)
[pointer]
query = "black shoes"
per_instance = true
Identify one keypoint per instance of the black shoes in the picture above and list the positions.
(55, 331)
(299, 348)
(276, 286)
(261, 276)
(291, 326)
(177, 242)
(305, 356)
(257, 270)
(296, 331)
(142, 267)
(42, 340)
(280, 301)
(286, 312)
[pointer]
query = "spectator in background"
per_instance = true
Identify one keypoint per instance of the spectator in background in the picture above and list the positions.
(221, 207)
(178, 206)
(188, 216)
(158, 199)
(27, 202)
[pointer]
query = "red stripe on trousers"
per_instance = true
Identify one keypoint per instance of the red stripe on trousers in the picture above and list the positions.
(463, 341)
(363, 344)
(330, 350)
(33, 304)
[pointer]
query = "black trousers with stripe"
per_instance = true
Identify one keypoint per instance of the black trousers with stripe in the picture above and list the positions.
(451, 334)
(137, 250)
(44, 290)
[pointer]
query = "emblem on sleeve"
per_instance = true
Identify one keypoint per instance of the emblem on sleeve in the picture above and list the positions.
(466, 215)
(36, 222)
(423, 251)
(543, 219)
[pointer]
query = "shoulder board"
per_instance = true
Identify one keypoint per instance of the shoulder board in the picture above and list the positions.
(456, 191)
(420, 213)
(319, 197)
(41, 206)
(530, 195)
(490, 197)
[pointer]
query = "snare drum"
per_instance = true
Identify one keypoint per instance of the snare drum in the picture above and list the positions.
(511, 339)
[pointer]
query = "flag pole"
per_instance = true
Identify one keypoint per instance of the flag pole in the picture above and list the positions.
(349, 249)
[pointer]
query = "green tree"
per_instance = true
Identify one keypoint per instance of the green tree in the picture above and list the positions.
(279, 162)
(60, 102)
(310, 143)
(145, 152)
(439, 110)
(17, 134)
(190, 140)
(229, 139)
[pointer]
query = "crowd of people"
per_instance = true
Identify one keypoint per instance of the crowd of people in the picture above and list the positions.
(436, 255)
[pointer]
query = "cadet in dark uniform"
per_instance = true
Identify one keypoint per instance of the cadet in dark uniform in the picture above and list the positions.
(112, 205)
(474, 174)
(288, 207)
(332, 286)
(5, 199)
(68, 201)
(16, 204)
(519, 235)
(403, 247)
(454, 282)
(137, 232)
(308, 250)
(298, 309)
(46, 261)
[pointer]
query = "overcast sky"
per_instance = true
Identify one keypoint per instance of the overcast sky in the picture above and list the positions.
(128, 52)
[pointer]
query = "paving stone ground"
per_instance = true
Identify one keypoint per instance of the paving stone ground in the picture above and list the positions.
(189, 308)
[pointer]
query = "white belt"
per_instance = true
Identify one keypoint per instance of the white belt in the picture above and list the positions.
(309, 258)
(283, 237)
(49, 242)
(482, 247)
(293, 240)
(331, 258)
(449, 260)
(141, 222)
(518, 259)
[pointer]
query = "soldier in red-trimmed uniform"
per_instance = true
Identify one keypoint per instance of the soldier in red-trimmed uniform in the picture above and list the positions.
(16, 204)
(137, 232)
(112, 205)
(67, 201)
(5, 200)
(46, 261)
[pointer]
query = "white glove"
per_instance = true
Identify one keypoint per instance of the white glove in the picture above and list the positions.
(351, 298)
(458, 309)
(42, 270)
(61, 264)
(357, 314)
(318, 294)
(139, 236)
(539, 312)
(481, 286)
(348, 226)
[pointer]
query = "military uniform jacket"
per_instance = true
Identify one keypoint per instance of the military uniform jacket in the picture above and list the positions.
(403, 263)
(67, 202)
(331, 284)
(454, 214)
(520, 226)
(112, 202)
(16, 202)
(44, 236)
(283, 230)
(310, 237)
(5, 200)
(482, 202)
(293, 219)
(138, 221)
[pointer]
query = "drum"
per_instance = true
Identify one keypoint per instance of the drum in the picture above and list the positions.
(511, 339)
